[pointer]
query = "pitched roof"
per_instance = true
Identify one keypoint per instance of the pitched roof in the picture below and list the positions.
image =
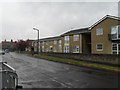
(105, 17)
(51, 38)
(77, 31)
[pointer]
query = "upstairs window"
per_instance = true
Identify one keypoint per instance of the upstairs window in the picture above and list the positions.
(118, 31)
(60, 42)
(42, 43)
(66, 39)
(76, 37)
(99, 31)
(47, 42)
(55, 42)
(114, 30)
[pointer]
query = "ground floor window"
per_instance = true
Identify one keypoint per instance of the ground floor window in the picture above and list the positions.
(60, 48)
(47, 49)
(55, 50)
(42, 48)
(51, 49)
(66, 49)
(75, 49)
(99, 47)
(116, 48)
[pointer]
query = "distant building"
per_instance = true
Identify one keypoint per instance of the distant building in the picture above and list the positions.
(10, 45)
(30, 46)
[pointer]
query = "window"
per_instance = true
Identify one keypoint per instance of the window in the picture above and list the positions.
(55, 49)
(47, 42)
(32, 43)
(116, 48)
(114, 30)
(42, 48)
(75, 49)
(60, 42)
(76, 37)
(99, 47)
(42, 43)
(55, 42)
(66, 49)
(60, 48)
(119, 48)
(118, 31)
(66, 38)
(47, 49)
(99, 31)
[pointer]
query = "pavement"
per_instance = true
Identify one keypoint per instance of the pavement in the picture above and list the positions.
(41, 73)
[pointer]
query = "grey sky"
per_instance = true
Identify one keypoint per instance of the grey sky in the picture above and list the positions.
(52, 18)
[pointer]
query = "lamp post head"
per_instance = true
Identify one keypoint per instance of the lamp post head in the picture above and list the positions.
(35, 29)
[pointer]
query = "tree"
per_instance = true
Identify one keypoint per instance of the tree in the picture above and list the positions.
(21, 45)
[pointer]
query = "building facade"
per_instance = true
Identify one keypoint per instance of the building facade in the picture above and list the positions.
(103, 37)
(9, 45)
(76, 41)
(52, 44)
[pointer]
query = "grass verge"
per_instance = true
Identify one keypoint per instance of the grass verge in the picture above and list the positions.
(79, 63)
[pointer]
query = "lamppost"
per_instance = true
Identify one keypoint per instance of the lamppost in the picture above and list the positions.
(38, 39)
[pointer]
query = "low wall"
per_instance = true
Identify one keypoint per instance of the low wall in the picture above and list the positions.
(100, 58)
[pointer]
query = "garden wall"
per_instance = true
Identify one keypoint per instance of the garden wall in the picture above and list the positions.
(100, 58)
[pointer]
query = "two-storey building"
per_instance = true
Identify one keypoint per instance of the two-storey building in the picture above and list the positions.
(105, 36)
(51, 44)
(76, 41)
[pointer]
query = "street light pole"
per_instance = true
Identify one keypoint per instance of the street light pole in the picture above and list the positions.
(38, 40)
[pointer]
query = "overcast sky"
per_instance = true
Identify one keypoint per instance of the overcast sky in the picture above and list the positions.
(51, 18)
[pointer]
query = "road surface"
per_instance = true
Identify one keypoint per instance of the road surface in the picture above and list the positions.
(40, 73)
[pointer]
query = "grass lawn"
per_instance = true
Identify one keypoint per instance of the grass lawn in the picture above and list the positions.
(80, 63)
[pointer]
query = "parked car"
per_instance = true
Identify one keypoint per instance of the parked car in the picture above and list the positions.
(6, 51)
(2, 52)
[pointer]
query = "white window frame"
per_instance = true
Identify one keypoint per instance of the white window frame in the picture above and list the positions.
(55, 49)
(101, 33)
(55, 41)
(97, 47)
(60, 48)
(66, 49)
(32, 43)
(75, 37)
(46, 49)
(43, 43)
(60, 42)
(75, 49)
(117, 51)
(66, 39)
(43, 49)
(116, 30)
(46, 42)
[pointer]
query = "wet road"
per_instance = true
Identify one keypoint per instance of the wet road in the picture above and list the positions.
(39, 73)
